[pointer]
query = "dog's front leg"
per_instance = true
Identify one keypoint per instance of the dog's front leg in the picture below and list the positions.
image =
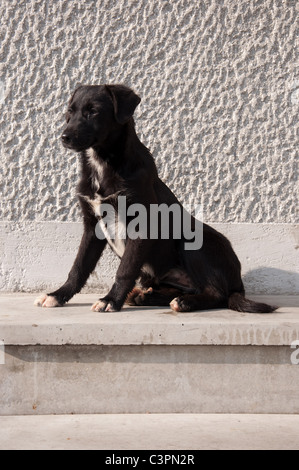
(129, 270)
(88, 255)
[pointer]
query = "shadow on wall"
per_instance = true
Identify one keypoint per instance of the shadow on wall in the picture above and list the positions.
(265, 280)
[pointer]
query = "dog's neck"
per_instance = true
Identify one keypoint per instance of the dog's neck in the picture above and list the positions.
(113, 148)
(123, 152)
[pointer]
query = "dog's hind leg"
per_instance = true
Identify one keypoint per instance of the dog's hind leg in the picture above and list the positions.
(192, 302)
(159, 297)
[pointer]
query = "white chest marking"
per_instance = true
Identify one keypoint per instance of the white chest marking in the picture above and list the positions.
(115, 233)
(97, 167)
(94, 203)
(113, 229)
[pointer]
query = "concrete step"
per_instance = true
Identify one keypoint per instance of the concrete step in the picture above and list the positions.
(144, 360)
(150, 432)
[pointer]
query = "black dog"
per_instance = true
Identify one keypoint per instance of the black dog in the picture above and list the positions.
(114, 162)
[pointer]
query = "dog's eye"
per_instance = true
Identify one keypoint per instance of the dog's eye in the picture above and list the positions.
(70, 111)
(90, 113)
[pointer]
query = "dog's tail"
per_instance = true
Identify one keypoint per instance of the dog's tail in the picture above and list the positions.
(237, 301)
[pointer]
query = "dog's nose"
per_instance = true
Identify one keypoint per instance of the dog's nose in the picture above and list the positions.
(65, 138)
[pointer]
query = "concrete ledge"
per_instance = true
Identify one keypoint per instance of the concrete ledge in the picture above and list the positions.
(150, 432)
(70, 360)
(23, 324)
(148, 379)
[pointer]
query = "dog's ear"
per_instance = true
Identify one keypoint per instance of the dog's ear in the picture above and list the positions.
(124, 101)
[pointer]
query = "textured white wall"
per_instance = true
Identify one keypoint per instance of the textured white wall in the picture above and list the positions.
(217, 81)
(219, 103)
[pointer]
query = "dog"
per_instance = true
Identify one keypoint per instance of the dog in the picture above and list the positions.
(114, 163)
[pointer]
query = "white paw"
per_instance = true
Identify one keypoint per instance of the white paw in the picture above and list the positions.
(45, 300)
(98, 306)
(175, 305)
(101, 306)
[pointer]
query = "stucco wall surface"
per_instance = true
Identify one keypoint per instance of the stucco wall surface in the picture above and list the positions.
(219, 99)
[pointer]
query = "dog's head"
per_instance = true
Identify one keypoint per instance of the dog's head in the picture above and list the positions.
(95, 112)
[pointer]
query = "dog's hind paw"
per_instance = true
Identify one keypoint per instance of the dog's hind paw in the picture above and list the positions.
(178, 305)
(174, 305)
(48, 301)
